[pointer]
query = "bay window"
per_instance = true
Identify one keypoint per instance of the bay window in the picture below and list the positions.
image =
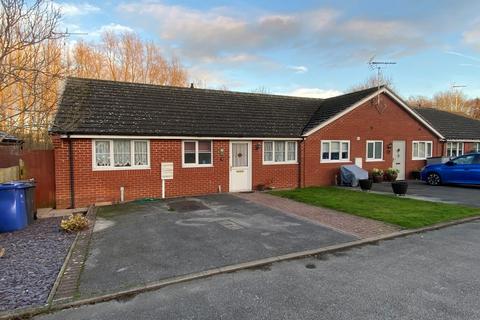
(335, 151)
(421, 150)
(277, 152)
(121, 154)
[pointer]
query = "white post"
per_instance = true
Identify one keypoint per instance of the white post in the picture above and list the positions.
(122, 194)
(163, 188)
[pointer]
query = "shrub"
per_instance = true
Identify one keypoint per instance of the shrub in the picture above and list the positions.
(377, 172)
(74, 223)
(392, 171)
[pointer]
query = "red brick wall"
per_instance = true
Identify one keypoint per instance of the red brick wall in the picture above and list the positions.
(367, 123)
(273, 175)
(104, 186)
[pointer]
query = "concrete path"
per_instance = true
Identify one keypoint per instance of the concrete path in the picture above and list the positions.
(434, 275)
(358, 226)
(137, 243)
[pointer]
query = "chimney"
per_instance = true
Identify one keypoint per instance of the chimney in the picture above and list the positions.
(191, 86)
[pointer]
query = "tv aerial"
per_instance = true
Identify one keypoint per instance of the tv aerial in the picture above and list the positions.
(379, 66)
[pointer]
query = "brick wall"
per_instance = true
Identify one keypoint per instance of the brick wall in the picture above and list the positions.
(366, 123)
(273, 175)
(104, 186)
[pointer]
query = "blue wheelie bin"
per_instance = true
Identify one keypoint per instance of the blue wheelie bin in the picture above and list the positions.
(13, 206)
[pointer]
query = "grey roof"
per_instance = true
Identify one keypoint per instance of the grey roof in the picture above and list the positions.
(6, 138)
(452, 126)
(91, 106)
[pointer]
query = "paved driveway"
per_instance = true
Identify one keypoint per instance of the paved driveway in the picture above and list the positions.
(138, 243)
(434, 275)
(466, 195)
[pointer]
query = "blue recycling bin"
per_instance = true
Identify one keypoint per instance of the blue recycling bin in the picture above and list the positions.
(13, 206)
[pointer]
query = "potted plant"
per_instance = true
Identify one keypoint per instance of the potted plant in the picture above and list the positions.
(391, 174)
(365, 184)
(377, 175)
(400, 187)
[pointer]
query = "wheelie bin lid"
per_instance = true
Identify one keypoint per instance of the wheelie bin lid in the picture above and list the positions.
(14, 185)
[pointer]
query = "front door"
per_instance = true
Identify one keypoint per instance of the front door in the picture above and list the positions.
(398, 149)
(240, 166)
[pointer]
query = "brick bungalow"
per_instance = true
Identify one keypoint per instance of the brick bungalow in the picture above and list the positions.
(462, 134)
(111, 139)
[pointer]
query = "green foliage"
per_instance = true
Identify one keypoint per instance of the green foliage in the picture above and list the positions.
(404, 212)
(377, 172)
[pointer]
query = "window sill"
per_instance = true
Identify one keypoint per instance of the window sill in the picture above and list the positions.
(335, 161)
(418, 159)
(374, 160)
(119, 168)
(197, 165)
(278, 163)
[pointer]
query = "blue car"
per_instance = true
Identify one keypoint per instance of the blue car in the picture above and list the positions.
(460, 170)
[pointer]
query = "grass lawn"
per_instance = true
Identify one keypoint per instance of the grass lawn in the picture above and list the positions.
(404, 212)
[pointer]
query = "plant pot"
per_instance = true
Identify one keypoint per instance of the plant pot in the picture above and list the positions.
(391, 177)
(365, 184)
(377, 179)
(400, 187)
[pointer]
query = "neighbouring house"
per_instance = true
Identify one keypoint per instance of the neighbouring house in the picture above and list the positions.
(462, 134)
(112, 140)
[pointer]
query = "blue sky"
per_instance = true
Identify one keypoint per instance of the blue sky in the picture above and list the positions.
(313, 48)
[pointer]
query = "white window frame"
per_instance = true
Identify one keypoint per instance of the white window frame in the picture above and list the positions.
(196, 164)
(458, 143)
(426, 155)
(367, 159)
(295, 161)
(112, 162)
(476, 146)
(330, 151)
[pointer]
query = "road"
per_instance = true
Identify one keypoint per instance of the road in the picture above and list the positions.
(434, 275)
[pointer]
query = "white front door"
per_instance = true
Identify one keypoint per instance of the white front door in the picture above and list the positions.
(398, 149)
(240, 166)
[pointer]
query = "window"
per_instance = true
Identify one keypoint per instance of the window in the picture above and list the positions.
(121, 154)
(454, 149)
(279, 152)
(335, 151)
(197, 153)
(421, 150)
(374, 150)
(468, 159)
(476, 146)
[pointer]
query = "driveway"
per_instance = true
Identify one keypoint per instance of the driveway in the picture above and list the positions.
(466, 195)
(141, 242)
(432, 275)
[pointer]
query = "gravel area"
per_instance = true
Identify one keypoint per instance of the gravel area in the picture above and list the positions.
(33, 257)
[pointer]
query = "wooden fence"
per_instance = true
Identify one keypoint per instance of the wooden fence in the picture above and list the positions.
(32, 164)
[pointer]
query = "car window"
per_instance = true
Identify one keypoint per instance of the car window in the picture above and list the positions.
(465, 159)
(477, 159)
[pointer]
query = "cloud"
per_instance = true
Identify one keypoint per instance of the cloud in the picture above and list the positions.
(75, 9)
(298, 69)
(217, 33)
(313, 93)
(472, 37)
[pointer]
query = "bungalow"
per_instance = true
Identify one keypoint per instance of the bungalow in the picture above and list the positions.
(462, 134)
(119, 141)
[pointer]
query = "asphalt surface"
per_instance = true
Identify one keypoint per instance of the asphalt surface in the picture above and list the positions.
(138, 243)
(434, 275)
(465, 195)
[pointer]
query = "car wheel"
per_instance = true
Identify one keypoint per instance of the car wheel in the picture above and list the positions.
(434, 179)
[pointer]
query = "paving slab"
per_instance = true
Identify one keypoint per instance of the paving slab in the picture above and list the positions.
(137, 243)
(343, 222)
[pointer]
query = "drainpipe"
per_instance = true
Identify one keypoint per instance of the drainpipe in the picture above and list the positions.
(72, 180)
(301, 164)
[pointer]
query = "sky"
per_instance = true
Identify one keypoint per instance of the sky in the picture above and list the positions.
(305, 48)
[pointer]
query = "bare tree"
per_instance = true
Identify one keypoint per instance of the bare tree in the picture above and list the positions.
(372, 81)
(29, 62)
